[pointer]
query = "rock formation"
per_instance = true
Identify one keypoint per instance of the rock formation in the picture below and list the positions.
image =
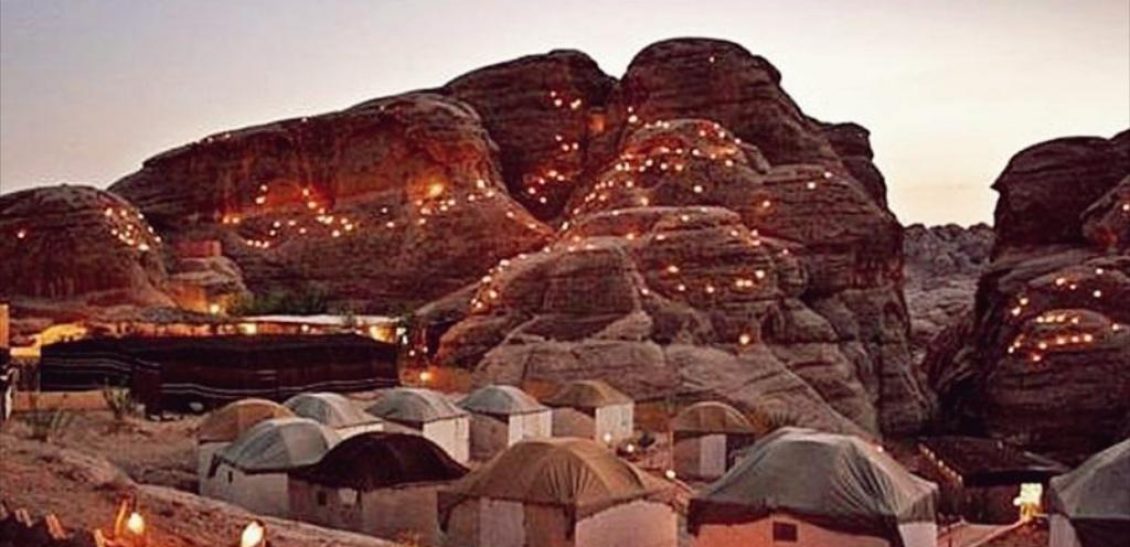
(715, 228)
(943, 264)
(383, 205)
(67, 249)
(1043, 360)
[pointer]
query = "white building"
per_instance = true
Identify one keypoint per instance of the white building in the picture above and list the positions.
(805, 488)
(334, 411)
(252, 471)
(562, 492)
(592, 409)
(226, 424)
(1090, 506)
(503, 415)
(429, 413)
(706, 437)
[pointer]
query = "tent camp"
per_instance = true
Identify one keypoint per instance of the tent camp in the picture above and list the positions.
(430, 413)
(562, 492)
(592, 409)
(706, 437)
(808, 488)
(251, 472)
(502, 416)
(381, 484)
(173, 372)
(226, 424)
(335, 412)
(1090, 506)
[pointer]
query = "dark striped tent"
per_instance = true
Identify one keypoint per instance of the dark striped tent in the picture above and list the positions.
(169, 373)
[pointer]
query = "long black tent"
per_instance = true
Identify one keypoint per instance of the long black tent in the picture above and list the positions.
(167, 373)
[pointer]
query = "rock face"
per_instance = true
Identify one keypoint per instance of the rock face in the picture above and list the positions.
(943, 264)
(383, 205)
(1044, 358)
(76, 247)
(717, 245)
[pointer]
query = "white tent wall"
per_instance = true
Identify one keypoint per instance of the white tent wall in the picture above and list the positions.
(701, 457)
(919, 534)
(760, 532)
(639, 523)
(534, 425)
(453, 435)
(1062, 533)
(616, 420)
(261, 493)
(204, 453)
(389, 513)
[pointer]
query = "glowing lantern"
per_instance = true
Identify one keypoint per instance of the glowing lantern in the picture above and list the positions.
(744, 339)
(254, 535)
(607, 438)
(425, 376)
(214, 308)
(670, 474)
(1028, 500)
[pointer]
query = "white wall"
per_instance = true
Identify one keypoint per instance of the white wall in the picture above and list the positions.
(638, 524)
(1062, 533)
(701, 457)
(618, 420)
(260, 493)
(535, 425)
(760, 533)
(453, 435)
(919, 534)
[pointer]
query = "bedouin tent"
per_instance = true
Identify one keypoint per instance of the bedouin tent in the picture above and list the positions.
(173, 372)
(224, 425)
(593, 409)
(334, 411)
(1090, 506)
(503, 415)
(428, 412)
(381, 484)
(706, 435)
(811, 488)
(251, 472)
(565, 491)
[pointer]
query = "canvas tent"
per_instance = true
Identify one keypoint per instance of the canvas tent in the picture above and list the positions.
(592, 409)
(251, 472)
(503, 415)
(706, 436)
(381, 484)
(568, 492)
(335, 412)
(171, 372)
(430, 413)
(1090, 506)
(226, 424)
(809, 488)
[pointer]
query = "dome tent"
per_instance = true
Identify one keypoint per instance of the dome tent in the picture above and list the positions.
(502, 416)
(1090, 506)
(500, 400)
(226, 424)
(707, 436)
(592, 409)
(838, 488)
(334, 411)
(428, 412)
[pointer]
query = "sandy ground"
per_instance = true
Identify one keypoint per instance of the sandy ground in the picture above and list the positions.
(83, 475)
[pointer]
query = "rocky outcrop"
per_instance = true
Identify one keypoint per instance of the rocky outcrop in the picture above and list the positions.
(943, 264)
(718, 221)
(383, 205)
(74, 248)
(1045, 356)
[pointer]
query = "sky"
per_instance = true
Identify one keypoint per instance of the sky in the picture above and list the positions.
(949, 89)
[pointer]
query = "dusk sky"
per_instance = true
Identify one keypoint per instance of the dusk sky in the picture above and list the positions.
(950, 90)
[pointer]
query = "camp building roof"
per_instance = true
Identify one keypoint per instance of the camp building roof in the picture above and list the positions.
(501, 401)
(711, 417)
(227, 423)
(1096, 497)
(586, 394)
(835, 481)
(277, 444)
(373, 460)
(413, 405)
(329, 409)
(577, 474)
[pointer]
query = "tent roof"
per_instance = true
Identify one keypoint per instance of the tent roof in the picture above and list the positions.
(575, 473)
(227, 423)
(413, 405)
(278, 444)
(373, 460)
(329, 409)
(1095, 496)
(587, 394)
(836, 481)
(711, 417)
(501, 400)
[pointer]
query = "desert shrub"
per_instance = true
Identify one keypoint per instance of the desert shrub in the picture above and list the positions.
(306, 301)
(46, 424)
(119, 400)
